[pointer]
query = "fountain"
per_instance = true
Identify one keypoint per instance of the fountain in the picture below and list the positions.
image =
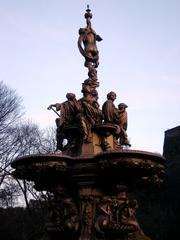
(93, 175)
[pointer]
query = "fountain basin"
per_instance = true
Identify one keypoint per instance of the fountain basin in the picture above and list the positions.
(121, 166)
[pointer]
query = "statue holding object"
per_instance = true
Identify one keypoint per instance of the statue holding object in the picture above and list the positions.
(69, 110)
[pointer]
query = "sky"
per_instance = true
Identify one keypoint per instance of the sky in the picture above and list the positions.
(139, 59)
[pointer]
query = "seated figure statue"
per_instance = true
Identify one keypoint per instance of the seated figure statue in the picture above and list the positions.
(69, 110)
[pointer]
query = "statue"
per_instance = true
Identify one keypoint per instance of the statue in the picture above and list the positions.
(89, 37)
(91, 114)
(116, 217)
(123, 120)
(69, 109)
(110, 112)
(118, 118)
(64, 214)
(89, 86)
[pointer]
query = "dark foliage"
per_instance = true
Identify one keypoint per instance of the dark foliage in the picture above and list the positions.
(20, 224)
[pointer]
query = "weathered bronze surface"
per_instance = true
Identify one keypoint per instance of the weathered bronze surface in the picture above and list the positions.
(93, 175)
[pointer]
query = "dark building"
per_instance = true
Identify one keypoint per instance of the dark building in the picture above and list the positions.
(159, 209)
(171, 151)
(172, 143)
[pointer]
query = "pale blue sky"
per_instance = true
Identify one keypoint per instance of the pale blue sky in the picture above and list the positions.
(139, 59)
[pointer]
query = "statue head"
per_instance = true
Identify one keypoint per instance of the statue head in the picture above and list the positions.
(82, 31)
(122, 106)
(111, 96)
(70, 96)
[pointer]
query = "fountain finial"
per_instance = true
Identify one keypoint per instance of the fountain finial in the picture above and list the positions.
(88, 16)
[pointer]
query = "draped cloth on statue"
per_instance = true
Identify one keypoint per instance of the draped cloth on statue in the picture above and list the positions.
(110, 112)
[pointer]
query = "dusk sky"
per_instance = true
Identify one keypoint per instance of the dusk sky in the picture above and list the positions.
(139, 59)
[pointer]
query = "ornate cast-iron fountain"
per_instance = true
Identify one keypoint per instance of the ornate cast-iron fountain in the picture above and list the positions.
(92, 176)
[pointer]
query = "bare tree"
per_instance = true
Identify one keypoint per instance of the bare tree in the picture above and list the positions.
(31, 140)
(18, 138)
(11, 111)
(10, 107)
